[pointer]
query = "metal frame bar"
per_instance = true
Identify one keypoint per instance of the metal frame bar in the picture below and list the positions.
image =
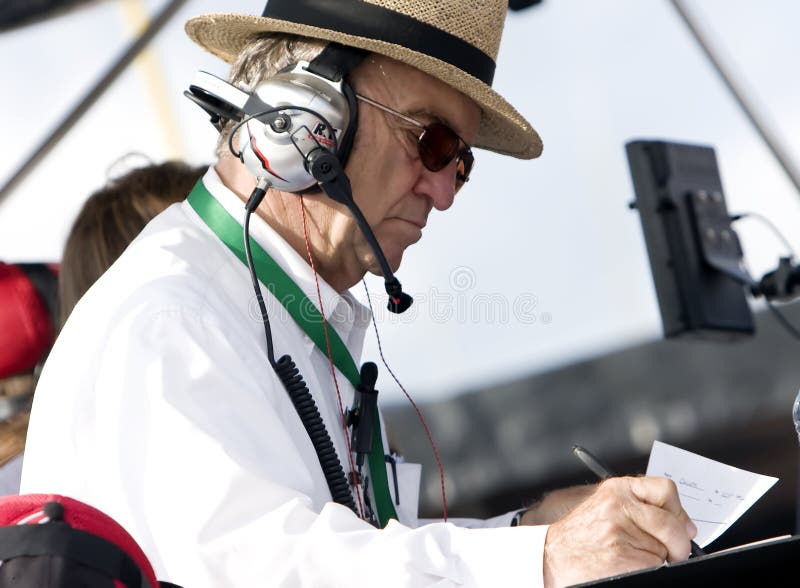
(39, 153)
(771, 140)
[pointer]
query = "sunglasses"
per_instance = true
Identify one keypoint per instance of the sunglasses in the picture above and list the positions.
(437, 144)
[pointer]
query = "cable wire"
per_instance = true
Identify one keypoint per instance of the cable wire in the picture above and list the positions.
(770, 225)
(257, 288)
(245, 120)
(416, 408)
(330, 359)
(779, 316)
(295, 386)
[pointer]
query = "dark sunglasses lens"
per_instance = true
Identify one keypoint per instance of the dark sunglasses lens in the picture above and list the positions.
(438, 145)
(464, 167)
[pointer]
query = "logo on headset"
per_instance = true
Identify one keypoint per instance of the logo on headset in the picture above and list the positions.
(322, 134)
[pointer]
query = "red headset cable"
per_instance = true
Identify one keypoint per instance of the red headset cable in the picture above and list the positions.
(413, 404)
(420, 416)
(330, 357)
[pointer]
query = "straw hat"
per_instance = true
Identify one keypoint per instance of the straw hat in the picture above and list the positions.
(455, 41)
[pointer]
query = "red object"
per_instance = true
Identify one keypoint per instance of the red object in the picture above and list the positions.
(26, 329)
(29, 509)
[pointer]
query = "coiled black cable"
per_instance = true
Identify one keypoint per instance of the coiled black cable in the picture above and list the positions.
(295, 386)
(309, 413)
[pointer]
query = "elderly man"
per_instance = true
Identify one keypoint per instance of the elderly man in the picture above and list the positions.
(163, 404)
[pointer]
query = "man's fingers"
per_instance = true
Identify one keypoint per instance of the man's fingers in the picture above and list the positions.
(627, 524)
(667, 528)
(660, 492)
(663, 493)
(640, 540)
(656, 510)
(691, 528)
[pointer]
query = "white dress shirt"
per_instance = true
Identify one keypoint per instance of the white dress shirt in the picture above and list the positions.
(158, 406)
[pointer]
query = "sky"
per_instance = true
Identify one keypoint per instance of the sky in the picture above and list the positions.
(539, 263)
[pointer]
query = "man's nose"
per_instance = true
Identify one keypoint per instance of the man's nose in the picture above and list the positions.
(439, 186)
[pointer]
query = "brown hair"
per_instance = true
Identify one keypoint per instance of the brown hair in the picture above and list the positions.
(111, 218)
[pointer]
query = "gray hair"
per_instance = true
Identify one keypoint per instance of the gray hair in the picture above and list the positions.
(261, 58)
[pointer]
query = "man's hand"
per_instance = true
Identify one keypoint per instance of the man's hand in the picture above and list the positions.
(626, 525)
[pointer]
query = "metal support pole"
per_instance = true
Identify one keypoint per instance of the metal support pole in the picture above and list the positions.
(53, 137)
(771, 140)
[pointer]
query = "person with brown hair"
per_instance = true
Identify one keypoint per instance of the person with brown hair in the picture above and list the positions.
(232, 433)
(106, 224)
(112, 217)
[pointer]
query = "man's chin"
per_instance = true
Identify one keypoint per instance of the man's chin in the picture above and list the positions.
(393, 258)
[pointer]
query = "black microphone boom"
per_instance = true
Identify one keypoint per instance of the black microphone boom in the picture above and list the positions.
(326, 168)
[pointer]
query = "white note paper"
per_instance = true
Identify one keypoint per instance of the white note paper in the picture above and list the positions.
(713, 494)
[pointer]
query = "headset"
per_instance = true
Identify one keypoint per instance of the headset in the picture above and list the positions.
(296, 131)
(281, 122)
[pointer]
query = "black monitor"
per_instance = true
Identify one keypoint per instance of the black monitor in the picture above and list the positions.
(695, 255)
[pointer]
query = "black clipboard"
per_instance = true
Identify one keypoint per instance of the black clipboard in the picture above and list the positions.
(772, 563)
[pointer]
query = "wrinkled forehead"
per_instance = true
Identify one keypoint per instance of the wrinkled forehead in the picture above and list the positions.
(413, 92)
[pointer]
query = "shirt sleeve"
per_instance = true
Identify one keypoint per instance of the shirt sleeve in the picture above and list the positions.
(503, 520)
(192, 449)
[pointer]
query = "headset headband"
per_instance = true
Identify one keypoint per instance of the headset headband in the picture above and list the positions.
(336, 61)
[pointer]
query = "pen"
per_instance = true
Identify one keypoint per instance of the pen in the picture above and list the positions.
(603, 473)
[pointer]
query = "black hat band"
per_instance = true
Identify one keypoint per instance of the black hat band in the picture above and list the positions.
(362, 19)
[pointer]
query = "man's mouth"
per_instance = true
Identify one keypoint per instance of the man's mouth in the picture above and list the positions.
(420, 224)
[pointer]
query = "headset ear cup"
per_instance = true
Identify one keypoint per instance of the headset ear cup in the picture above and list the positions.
(315, 114)
(345, 142)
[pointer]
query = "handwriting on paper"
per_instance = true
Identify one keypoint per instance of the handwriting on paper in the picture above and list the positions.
(713, 494)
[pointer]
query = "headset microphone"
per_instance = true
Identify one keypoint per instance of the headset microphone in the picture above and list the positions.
(327, 170)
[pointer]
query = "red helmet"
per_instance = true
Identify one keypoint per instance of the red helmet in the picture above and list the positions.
(51, 541)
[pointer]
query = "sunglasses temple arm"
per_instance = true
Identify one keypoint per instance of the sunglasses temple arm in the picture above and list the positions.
(327, 170)
(391, 111)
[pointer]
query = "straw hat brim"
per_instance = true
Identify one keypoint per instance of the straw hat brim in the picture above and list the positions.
(503, 130)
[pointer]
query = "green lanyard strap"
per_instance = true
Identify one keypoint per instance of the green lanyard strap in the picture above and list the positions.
(307, 317)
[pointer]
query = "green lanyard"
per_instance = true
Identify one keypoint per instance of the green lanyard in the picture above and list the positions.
(305, 314)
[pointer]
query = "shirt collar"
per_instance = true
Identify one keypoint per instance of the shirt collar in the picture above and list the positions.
(343, 312)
